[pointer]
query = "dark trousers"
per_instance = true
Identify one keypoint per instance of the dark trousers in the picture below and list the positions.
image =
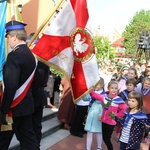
(77, 126)
(123, 146)
(5, 139)
(23, 129)
(52, 98)
(37, 123)
(107, 131)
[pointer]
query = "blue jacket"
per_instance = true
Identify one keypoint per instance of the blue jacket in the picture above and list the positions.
(137, 128)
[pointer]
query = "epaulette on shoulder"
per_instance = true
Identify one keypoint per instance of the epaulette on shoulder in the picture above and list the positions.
(15, 48)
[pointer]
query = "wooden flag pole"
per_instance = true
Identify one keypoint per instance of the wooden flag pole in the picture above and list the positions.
(45, 21)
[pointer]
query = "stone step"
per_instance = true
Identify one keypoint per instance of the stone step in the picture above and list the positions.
(50, 124)
(49, 113)
(52, 139)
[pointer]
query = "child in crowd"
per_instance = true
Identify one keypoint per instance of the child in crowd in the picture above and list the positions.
(122, 73)
(132, 73)
(145, 72)
(146, 96)
(93, 123)
(130, 86)
(122, 77)
(132, 123)
(111, 104)
(144, 88)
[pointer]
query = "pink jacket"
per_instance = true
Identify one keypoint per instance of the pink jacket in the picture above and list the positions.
(117, 108)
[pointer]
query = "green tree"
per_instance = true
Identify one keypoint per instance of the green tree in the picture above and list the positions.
(56, 71)
(139, 22)
(104, 49)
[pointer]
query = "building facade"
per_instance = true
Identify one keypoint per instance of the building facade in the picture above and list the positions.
(34, 12)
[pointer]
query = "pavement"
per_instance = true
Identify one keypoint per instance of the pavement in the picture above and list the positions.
(76, 143)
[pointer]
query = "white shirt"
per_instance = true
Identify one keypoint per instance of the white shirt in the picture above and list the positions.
(126, 132)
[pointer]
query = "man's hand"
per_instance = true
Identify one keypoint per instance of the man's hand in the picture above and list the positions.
(3, 118)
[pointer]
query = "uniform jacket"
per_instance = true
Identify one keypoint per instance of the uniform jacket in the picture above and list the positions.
(39, 83)
(19, 65)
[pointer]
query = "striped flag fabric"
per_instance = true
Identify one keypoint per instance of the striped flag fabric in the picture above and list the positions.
(67, 45)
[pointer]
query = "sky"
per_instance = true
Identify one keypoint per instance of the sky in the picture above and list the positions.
(114, 13)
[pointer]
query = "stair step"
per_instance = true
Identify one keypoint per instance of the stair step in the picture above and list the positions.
(54, 138)
(49, 113)
(50, 124)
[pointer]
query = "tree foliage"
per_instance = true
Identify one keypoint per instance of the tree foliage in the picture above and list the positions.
(104, 49)
(139, 22)
(56, 72)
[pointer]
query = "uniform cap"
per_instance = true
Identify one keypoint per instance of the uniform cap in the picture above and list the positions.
(14, 25)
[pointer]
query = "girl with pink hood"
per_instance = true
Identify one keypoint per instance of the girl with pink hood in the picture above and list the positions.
(112, 104)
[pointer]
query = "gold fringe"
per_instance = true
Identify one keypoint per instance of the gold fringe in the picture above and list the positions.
(9, 126)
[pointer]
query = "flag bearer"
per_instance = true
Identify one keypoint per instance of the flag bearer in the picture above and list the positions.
(17, 98)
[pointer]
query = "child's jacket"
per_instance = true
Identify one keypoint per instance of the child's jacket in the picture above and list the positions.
(137, 128)
(117, 106)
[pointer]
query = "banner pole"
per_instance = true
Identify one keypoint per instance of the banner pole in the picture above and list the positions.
(45, 22)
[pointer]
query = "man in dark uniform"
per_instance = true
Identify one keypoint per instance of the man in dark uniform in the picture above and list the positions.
(39, 94)
(18, 75)
(40, 97)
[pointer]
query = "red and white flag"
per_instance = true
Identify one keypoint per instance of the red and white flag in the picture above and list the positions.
(67, 44)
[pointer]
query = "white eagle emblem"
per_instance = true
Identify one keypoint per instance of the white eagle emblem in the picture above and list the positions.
(79, 44)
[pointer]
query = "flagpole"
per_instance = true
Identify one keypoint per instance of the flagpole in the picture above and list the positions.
(45, 21)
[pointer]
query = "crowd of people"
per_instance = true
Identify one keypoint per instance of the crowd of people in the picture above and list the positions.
(123, 99)
(120, 103)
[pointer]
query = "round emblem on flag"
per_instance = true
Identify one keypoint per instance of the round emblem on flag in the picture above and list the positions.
(81, 44)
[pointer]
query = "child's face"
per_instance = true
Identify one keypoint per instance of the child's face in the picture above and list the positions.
(131, 74)
(146, 84)
(113, 89)
(148, 74)
(132, 103)
(99, 87)
(130, 87)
